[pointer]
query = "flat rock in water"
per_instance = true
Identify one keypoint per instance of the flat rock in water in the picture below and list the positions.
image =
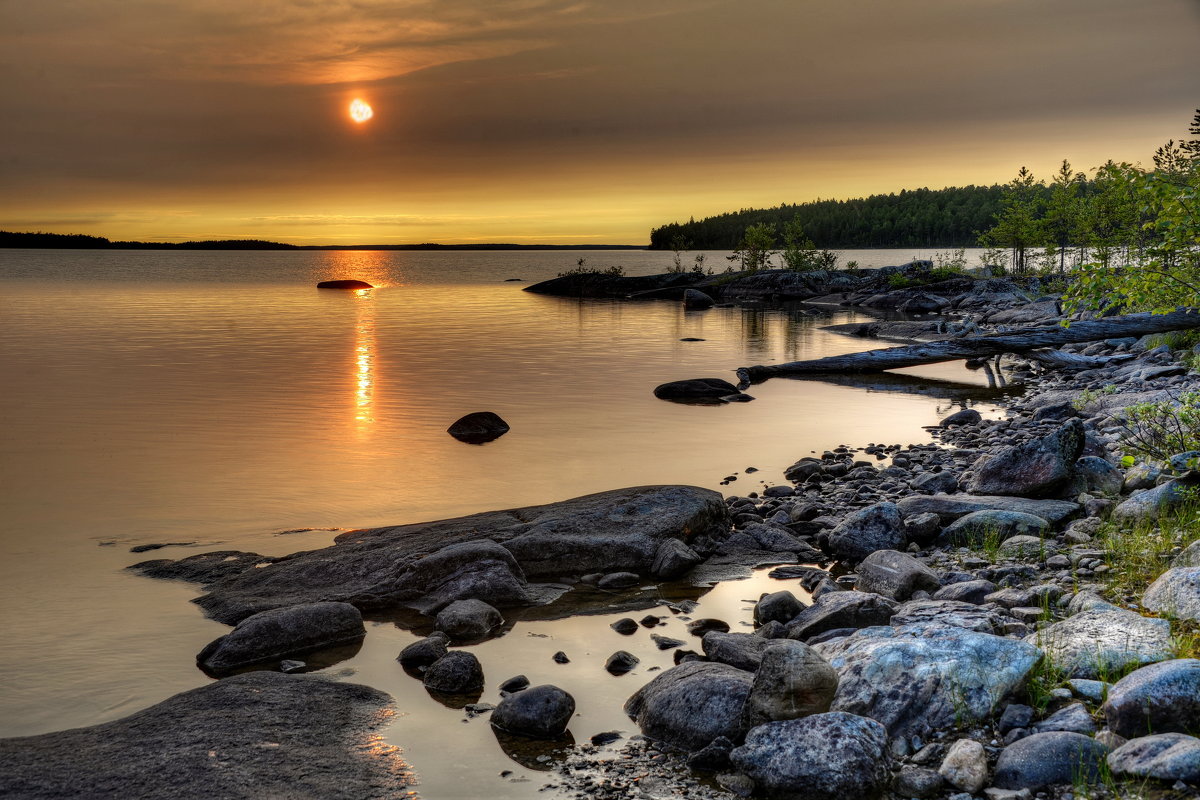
(700, 390)
(1092, 644)
(262, 734)
(478, 427)
(922, 678)
(281, 632)
(344, 284)
(390, 567)
(951, 507)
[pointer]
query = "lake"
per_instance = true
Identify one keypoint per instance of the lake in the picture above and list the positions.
(217, 398)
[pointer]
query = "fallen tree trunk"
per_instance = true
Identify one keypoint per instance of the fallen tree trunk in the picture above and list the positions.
(979, 346)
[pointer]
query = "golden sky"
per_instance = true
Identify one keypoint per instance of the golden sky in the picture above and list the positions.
(552, 120)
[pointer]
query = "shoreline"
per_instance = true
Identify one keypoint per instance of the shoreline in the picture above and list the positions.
(854, 488)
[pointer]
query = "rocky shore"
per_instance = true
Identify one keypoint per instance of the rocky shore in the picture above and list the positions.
(1010, 610)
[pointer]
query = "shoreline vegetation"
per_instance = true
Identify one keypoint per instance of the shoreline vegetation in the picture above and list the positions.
(1009, 610)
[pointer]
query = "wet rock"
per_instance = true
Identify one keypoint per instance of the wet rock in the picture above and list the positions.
(817, 757)
(968, 416)
(692, 704)
(951, 507)
(965, 766)
(1048, 759)
(625, 626)
(516, 683)
(672, 559)
(457, 672)
(779, 606)
(841, 610)
(276, 634)
(876, 527)
(560, 658)
(741, 650)
(1092, 644)
(666, 642)
(1175, 593)
(973, 529)
(344, 284)
(478, 427)
(621, 662)
(792, 681)
(618, 580)
(696, 300)
(699, 627)
(700, 390)
(468, 620)
(211, 742)
(1165, 756)
(895, 575)
(1039, 468)
(540, 712)
(423, 652)
(918, 679)
(1160, 698)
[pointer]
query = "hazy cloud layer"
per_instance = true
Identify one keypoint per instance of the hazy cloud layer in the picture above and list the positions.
(602, 117)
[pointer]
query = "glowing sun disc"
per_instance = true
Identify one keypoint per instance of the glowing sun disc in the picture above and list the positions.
(360, 112)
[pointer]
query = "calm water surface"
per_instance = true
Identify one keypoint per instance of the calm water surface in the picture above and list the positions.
(218, 398)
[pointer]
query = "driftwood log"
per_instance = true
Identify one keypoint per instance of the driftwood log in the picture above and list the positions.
(977, 347)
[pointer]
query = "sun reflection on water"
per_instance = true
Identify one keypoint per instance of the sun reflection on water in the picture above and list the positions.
(364, 361)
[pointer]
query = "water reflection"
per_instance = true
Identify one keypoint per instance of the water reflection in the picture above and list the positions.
(364, 361)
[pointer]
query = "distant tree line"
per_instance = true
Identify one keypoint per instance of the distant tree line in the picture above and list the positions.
(952, 217)
(81, 241)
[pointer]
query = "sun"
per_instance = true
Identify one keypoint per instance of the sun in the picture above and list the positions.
(361, 111)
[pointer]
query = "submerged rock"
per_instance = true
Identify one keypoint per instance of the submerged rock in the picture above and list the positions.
(281, 632)
(478, 427)
(824, 756)
(262, 734)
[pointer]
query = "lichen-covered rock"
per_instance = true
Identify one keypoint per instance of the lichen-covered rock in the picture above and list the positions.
(1160, 698)
(1165, 756)
(692, 704)
(1099, 476)
(876, 527)
(817, 758)
(282, 632)
(792, 681)
(922, 678)
(1092, 644)
(1049, 759)
(895, 575)
(1175, 593)
(1039, 468)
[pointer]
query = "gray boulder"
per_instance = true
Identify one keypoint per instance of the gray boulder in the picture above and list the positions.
(457, 672)
(540, 712)
(895, 575)
(692, 704)
(1073, 719)
(781, 606)
(1142, 476)
(1049, 759)
(1099, 476)
(316, 729)
(968, 416)
(841, 610)
(973, 529)
(390, 567)
(1190, 557)
(480, 570)
(1093, 644)
(280, 633)
(862, 532)
(918, 679)
(792, 681)
(1175, 593)
(1165, 756)
(951, 507)
(817, 757)
(672, 559)
(953, 613)
(972, 592)
(1160, 698)
(1039, 468)
(468, 620)
(741, 650)
(935, 482)
(922, 528)
(1150, 504)
(1026, 548)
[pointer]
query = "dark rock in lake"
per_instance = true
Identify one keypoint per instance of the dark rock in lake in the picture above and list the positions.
(699, 627)
(344, 284)
(696, 300)
(390, 567)
(478, 427)
(699, 390)
(780, 606)
(1160, 698)
(895, 575)
(862, 532)
(605, 284)
(272, 635)
(541, 712)
(1165, 756)
(625, 626)
(968, 416)
(666, 642)
(516, 683)
(145, 548)
(1049, 759)
(468, 620)
(607, 737)
(424, 652)
(690, 705)
(618, 580)
(319, 730)
(561, 658)
(621, 662)
(457, 672)
(819, 757)
(1039, 468)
